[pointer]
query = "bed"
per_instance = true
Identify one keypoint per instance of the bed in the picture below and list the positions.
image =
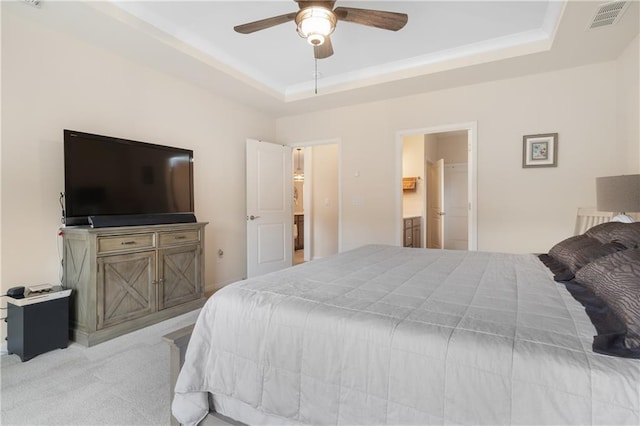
(390, 335)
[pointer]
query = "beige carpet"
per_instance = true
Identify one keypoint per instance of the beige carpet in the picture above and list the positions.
(124, 381)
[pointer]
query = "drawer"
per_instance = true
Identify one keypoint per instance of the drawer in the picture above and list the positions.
(125, 242)
(178, 237)
(408, 223)
(408, 239)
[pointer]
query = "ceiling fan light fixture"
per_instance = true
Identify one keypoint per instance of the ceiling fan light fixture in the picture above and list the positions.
(298, 174)
(315, 24)
(315, 39)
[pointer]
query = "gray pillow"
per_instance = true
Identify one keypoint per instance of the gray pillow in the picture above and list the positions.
(616, 280)
(627, 234)
(577, 251)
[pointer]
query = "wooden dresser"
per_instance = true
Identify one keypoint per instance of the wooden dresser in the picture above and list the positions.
(126, 278)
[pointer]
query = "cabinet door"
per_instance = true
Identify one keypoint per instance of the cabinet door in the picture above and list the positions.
(299, 222)
(416, 236)
(301, 232)
(179, 279)
(125, 287)
(407, 234)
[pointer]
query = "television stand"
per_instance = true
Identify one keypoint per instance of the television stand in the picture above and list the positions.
(125, 278)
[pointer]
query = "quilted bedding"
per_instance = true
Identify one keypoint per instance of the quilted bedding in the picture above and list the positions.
(388, 335)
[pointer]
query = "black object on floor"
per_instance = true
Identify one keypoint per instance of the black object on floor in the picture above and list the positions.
(38, 324)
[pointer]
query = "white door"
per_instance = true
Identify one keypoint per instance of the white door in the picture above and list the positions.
(436, 213)
(456, 206)
(269, 207)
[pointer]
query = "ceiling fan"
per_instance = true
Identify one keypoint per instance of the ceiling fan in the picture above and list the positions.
(316, 20)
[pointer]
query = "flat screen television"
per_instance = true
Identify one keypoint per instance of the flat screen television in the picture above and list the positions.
(118, 182)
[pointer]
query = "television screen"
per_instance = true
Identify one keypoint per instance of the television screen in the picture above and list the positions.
(113, 177)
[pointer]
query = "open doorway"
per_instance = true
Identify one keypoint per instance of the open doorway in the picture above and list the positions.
(298, 206)
(434, 183)
(437, 185)
(316, 201)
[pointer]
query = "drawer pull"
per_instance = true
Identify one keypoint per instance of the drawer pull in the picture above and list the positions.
(127, 243)
(180, 237)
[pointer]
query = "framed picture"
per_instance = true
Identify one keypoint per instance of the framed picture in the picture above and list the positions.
(540, 150)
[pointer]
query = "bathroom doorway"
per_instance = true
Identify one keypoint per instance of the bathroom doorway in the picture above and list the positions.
(298, 206)
(437, 187)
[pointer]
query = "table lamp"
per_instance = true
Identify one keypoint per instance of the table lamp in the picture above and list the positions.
(619, 194)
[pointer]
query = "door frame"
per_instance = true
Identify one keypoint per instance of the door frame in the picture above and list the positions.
(472, 161)
(438, 167)
(308, 191)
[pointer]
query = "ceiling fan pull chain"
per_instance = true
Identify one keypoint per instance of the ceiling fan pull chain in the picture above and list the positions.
(316, 75)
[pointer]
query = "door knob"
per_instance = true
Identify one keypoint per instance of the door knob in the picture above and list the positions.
(252, 217)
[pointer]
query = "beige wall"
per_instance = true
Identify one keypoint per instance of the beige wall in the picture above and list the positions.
(325, 202)
(452, 147)
(50, 82)
(431, 147)
(628, 93)
(413, 161)
(2, 288)
(519, 210)
(298, 205)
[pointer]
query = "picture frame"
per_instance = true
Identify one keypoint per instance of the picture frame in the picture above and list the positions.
(540, 150)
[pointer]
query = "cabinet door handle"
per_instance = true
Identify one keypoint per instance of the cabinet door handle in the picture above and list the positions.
(127, 243)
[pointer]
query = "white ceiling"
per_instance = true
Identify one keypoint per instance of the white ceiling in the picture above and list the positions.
(444, 44)
(283, 61)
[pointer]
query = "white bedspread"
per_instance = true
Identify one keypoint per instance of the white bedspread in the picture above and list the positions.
(387, 335)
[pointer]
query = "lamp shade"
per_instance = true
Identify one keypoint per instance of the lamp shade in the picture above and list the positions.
(618, 193)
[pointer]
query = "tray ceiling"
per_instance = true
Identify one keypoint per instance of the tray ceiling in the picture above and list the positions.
(444, 44)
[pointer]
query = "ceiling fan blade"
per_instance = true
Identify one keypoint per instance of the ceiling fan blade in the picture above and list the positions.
(373, 18)
(264, 23)
(324, 50)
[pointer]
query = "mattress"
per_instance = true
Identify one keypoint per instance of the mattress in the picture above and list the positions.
(390, 335)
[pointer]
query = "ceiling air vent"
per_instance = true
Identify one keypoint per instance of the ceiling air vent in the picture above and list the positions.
(608, 14)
